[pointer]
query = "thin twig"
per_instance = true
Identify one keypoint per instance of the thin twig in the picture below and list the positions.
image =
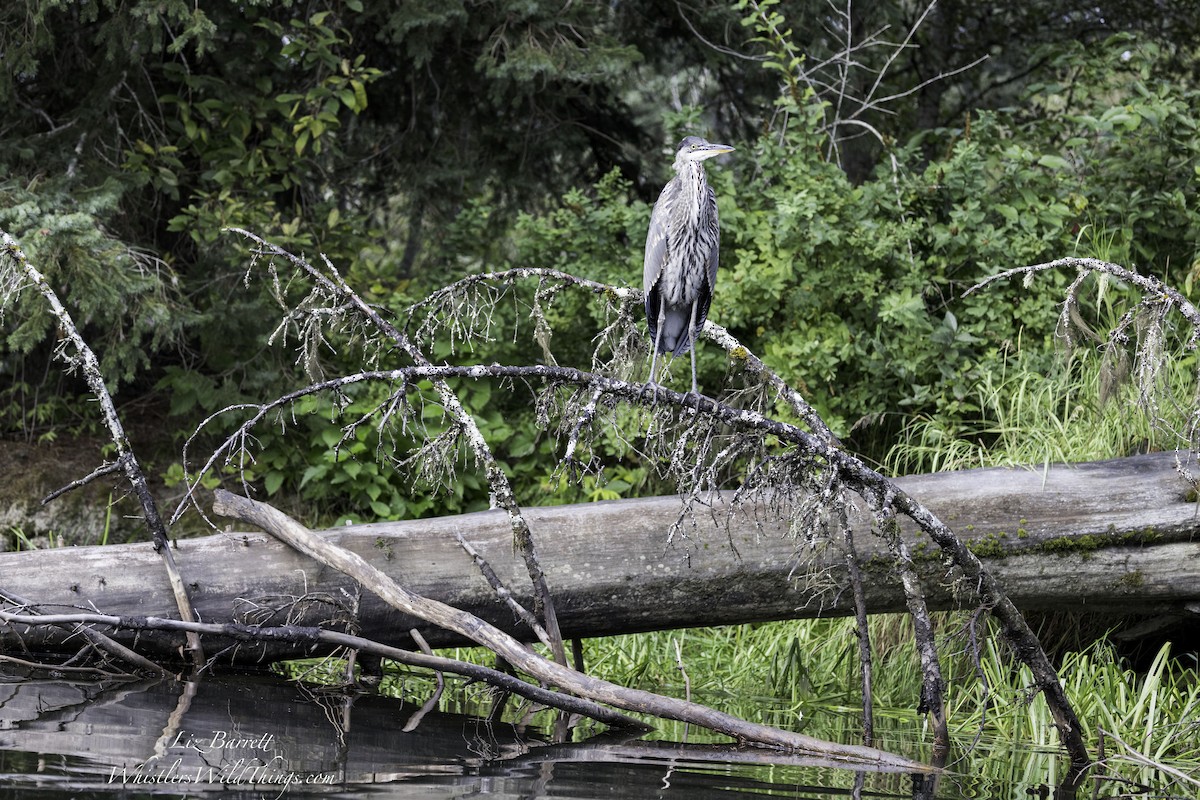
(107, 468)
(862, 630)
(501, 590)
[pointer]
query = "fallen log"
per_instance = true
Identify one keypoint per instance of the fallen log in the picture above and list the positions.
(1115, 536)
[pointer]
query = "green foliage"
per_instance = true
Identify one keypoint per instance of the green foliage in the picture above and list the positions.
(17, 539)
(170, 137)
(127, 301)
(856, 292)
(1033, 416)
(1131, 140)
(136, 131)
(237, 146)
(271, 116)
(808, 671)
(804, 675)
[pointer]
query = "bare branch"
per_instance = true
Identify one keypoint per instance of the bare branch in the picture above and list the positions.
(294, 633)
(501, 590)
(522, 657)
(691, 439)
(73, 350)
(332, 282)
(1159, 291)
(1147, 324)
(99, 472)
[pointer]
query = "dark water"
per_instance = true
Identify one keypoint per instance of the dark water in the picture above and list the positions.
(265, 738)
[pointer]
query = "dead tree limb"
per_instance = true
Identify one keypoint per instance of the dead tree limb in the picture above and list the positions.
(1115, 538)
(1146, 329)
(280, 525)
(84, 358)
(502, 491)
(130, 657)
(1158, 300)
(847, 468)
(862, 631)
(310, 636)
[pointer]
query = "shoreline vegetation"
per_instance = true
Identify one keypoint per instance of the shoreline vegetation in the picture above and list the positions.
(224, 205)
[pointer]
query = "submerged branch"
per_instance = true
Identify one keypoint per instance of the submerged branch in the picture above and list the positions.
(97, 639)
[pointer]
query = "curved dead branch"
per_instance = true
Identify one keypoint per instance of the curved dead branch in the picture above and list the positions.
(525, 659)
(332, 283)
(848, 469)
(694, 439)
(692, 448)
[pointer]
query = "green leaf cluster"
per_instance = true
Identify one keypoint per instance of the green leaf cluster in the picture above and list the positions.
(127, 301)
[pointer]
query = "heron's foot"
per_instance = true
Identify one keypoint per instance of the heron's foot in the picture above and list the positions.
(651, 388)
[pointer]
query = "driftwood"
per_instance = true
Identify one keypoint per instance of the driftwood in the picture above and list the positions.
(1117, 536)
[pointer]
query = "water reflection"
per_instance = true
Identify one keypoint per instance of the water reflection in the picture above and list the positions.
(246, 737)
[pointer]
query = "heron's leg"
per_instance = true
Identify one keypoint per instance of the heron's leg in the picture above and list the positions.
(662, 318)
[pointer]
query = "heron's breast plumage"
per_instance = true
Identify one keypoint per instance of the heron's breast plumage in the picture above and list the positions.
(691, 237)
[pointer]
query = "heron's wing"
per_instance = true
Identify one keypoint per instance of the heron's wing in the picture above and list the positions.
(656, 237)
(656, 253)
(706, 292)
(716, 240)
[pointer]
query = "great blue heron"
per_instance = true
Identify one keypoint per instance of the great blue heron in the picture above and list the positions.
(681, 254)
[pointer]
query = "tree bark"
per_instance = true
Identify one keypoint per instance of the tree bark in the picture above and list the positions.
(1114, 536)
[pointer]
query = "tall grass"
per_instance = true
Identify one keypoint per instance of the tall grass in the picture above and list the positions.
(1146, 726)
(1026, 414)
(804, 675)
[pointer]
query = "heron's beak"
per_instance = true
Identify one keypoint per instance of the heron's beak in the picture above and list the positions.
(711, 150)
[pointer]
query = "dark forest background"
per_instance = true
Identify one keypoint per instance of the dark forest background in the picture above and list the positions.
(889, 156)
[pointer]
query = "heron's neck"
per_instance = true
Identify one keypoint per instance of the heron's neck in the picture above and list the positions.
(687, 169)
(692, 182)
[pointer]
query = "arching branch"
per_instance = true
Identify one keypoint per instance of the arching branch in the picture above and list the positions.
(692, 438)
(332, 282)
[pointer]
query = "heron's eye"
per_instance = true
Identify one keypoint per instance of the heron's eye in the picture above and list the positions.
(692, 147)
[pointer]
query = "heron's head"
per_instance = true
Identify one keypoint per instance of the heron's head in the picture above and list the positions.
(694, 149)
